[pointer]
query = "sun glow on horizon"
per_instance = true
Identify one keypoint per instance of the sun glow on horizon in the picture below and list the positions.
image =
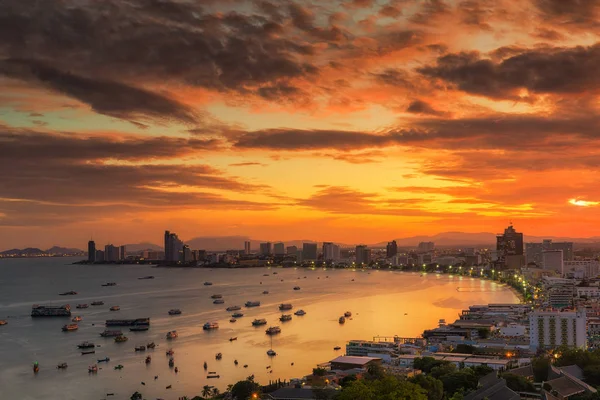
(583, 203)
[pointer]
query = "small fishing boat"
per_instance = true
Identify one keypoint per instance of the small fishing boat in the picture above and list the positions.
(140, 328)
(237, 315)
(341, 320)
(347, 314)
(93, 368)
(205, 365)
(105, 359)
(273, 330)
(86, 345)
(300, 312)
(252, 303)
(70, 328)
(336, 348)
(147, 277)
(235, 362)
(216, 296)
(231, 339)
(115, 308)
(171, 362)
(232, 320)
(245, 365)
(148, 360)
(296, 287)
(76, 319)
(62, 366)
(218, 356)
(233, 308)
(109, 333)
(175, 311)
(172, 335)
(271, 353)
(121, 339)
(207, 283)
(219, 301)
(259, 322)
(213, 376)
(140, 348)
(81, 306)
(266, 292)
(109, 284)
(83, 353)
(285, 317)
(265, 274)
(170, 352)
(285, 306)
(69, 293)
(150, 345)
(176, 370)
(274, 273)
(119, 366)
(36, 367)
(210, 326)
(97, 303)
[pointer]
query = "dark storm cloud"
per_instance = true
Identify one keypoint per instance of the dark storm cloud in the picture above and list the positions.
(430, 9)
(422, 107)
(546, 70)
(304, 20)
(582, 13)
(103, 96)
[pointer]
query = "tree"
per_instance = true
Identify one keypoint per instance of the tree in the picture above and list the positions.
(441, 370)
(483, 333)
(518, 383)
(319, 371)
(425, 364)
(356, 390)
(375, 371)
(592, 374)
(206, 391)
(540, 366)
(388, 387)
(215, 392)
(434, 387)
(464, 379)
(243, 390)
(347, 380)
(464, 349)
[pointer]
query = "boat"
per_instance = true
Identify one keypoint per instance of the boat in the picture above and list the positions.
(205, 365)
(176, 370)
(207, 283)
(300, 312)
(213, 376)
(140, 348)
(218, 356)
(235, 362)
(232, 320)
(170, 352)
(81, 306)
(115, 308)
(258, 322)
(50, 311)
(216, 296)
(97, 303)
(83, 353)
(347, 314)
(175, 311)
(70, 327)
(109, 284)
(286, 306)
(233, 308)
(62, 366)
(86, 345)
(93, 368)
(109, 333)
(274, 273)
(76, 319)
(119, 366)
(36, 367)
(271, 353)
(237, 315)
(121, 339)
(231, 339)
(342, 319)
(219, 301)
(336, 348)
(148, 360)
(3, 322)
(266, 292)
(128, 322)
(140, 328)
(171, 362)
(210, 325)
(285, 317)
(105, 359)
(150, 345)
(296, 287)
(172, 335)
(273, 330)
(265, 274)
(245, 365)
(69, 293)
(252, 303)
(147, 277)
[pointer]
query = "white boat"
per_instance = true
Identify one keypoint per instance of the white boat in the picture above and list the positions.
(300, 312)
(210, 325)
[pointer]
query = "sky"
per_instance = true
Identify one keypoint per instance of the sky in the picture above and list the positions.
(342, 120)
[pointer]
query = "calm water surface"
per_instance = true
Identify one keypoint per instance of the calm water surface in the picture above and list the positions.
(378, 301)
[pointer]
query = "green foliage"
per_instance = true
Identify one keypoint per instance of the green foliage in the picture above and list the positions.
(586, 396)
(483, 333)
(387, 388)
(319, 371)
(442, 370)
(243, 389)
(464, 349)
(592, 374)
(426, 364)
(482, 370)
(518, 383)
(375, 371)
(458, 395)
(462, 379)
(433, 387)
(347, 380)
(540, 365)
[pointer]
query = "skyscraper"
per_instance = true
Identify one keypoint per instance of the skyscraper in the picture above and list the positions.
(111, 253)
(122, 252)
(533, 251)
(279, 249)
(391, 249)
(91, 251)
(247, 247)
(173, 247)
(265, 249)
(510, 249)
(309, 251)
(363, 254)
(331, 251)
(292, 251)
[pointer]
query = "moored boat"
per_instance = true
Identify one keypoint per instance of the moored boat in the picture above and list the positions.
(148, 360)
(258, 322)
(147, 277)
(336, 348)
(93, 368)
(86, 345)
(115, 308)
(81, 306)
(347, 314)
(105, 359)
(170, 352)
(111, 333)
(109, 284)
(219, 301)
(121, 339)
(140, 348)
(285, 317)
(266, 292)
(36, 367)
(83, 353)
(273, 330)
(70, 327)
(207, 283)
(271, 353)
(62, 366)
(172, 335)
(237, 315)
(210, 325)
(50, 311)
(128, 322)
(76, 319)
(231, 339)
(300, 312)
(3, 322)
(141, 328)
(216, 296)
(296, 287)
(233, 308)
(218, 356)
(252, 303)
(150, 345)
(232, 320)
(69, 293)
(119, 366)
(97, 303)
(213, 376)
(342, 319)
(171, 362)
(285, 306)
(175, 311)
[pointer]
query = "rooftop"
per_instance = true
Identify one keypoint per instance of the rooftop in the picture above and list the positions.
(354, 360)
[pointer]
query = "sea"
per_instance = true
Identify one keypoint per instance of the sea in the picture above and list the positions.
(382, 302)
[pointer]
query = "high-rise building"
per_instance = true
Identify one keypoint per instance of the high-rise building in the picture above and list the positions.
(173, 247)
(550, 329)
(509, 246)
(279, 249)
(391, 249)
(122, 252)
(291, 251)
(426, 246)
(265, 249)
(331, 251)
(533, 251)
(99, 256)
(111, 253)
(363, 254)
(309, 252)
(553, 260)
(187, 255)
(91, 251)
(247, 249)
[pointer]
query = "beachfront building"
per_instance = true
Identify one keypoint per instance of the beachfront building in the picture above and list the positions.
(549, 329)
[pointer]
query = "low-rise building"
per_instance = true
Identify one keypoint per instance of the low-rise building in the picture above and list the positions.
(347, 362)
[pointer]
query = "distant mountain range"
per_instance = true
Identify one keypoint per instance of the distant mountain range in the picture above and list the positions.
(33, 251)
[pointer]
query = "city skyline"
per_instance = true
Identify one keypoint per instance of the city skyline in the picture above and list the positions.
(339, 120)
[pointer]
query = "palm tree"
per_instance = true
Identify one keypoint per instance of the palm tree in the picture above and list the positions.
(229, 387)
(215, 392)
(206, 391)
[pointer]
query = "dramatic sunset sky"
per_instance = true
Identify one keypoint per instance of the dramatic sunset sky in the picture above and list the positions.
(344, 120)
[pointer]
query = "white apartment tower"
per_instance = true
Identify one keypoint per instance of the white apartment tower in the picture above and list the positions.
(550, 329)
